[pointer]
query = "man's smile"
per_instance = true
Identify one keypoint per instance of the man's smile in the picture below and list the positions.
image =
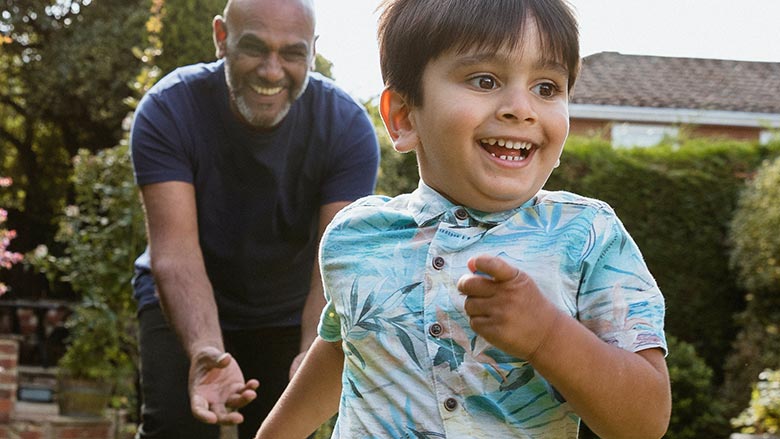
(266, 91)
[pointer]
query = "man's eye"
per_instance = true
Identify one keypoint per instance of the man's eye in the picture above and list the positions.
(294, 55)
(546, 89)
(484, 82)
(252, 50)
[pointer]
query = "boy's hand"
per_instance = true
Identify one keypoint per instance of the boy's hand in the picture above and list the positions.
(505, 306)
(217, 388)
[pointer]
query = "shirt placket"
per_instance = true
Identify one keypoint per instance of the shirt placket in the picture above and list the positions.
(444, 320)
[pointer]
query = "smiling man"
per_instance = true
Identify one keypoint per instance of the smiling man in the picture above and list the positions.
(241, 164)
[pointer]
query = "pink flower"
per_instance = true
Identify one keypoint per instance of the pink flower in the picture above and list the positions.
(7, 258)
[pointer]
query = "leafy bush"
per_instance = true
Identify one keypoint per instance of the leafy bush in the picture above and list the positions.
(756, 252)
(102, 233)
(756, 258)
(695, 413)
(677, 203)
(763, 414)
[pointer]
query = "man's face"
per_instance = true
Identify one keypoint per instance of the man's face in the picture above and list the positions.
(268, 51)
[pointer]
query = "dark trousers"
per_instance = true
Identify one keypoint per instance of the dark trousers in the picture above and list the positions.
(265, 354)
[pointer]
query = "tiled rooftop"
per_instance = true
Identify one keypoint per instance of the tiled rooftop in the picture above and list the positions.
(610, 78)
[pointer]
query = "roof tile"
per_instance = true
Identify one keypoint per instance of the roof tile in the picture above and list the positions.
(610, 78)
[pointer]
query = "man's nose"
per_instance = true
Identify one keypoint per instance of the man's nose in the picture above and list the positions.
(271, 69)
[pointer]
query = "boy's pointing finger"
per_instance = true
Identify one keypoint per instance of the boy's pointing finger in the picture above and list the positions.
(494, 267)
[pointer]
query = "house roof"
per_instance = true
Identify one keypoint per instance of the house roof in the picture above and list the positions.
(711, 85)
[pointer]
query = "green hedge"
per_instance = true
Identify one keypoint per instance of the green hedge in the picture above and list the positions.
(756, 259)
(677, 202)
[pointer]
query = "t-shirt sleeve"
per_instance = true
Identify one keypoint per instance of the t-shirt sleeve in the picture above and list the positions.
(156, 144)
(329, 328)
(353, 167)
(619, 299)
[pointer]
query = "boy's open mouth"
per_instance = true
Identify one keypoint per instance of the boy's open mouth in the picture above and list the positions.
(506, 149)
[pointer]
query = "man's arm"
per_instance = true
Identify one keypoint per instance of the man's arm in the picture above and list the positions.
(187, 300)
(312, 396)
(315, 301)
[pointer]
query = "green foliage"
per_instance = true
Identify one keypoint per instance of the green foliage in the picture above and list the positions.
(756, 252)
(323, 65)
(756, 258)
(102, 233)
(695, 413)
(763, 414)
(186, 32)
(677, 203)
(64, 69)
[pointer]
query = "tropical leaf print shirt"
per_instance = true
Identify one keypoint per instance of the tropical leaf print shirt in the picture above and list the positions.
(413, 367)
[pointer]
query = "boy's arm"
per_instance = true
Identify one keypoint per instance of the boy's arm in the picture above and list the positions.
(311, 398)
(616, 392)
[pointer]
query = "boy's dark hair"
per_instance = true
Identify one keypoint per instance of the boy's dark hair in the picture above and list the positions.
(414, 32)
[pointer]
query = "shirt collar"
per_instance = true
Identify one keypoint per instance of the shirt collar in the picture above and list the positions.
(428, 206)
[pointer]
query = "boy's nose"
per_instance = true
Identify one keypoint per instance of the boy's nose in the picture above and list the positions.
(517, 106)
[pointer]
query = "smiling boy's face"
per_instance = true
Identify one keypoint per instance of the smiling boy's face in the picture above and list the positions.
(491, 127)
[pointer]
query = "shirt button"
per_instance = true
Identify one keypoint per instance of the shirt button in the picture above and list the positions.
(435, 330)
(461, 214)
(438, 262)
(450, 404)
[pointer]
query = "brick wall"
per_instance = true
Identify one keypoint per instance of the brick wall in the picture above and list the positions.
(9, 355)
(15, 424)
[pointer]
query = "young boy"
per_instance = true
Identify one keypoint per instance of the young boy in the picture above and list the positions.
(480, 306)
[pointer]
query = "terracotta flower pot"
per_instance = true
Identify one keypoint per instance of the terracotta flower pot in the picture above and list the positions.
(82, 398)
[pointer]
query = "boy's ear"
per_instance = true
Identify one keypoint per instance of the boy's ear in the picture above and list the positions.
(220, 35)
(396, 114)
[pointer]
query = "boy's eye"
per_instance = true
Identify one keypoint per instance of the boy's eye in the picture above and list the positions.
(484, 82)
(546, 89)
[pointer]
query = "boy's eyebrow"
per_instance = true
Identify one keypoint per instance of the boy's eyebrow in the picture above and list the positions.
(540, 64)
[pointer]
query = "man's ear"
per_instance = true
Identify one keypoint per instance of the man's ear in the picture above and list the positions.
(313, 65)
(220, 35)
(396, 114)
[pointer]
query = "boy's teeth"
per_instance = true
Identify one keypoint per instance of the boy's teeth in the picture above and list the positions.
(510, 158)
(508, 144)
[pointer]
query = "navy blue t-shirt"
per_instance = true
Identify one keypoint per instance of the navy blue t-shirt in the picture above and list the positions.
(258, 193)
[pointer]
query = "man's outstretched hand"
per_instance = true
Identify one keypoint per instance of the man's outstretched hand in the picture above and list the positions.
(217, 387)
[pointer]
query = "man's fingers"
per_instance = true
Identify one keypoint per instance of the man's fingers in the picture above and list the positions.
(240, 399)
(200, 410)
(223, 360)
(216, 413)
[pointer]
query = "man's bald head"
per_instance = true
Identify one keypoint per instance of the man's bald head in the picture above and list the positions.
(236, 7)
(268, 47)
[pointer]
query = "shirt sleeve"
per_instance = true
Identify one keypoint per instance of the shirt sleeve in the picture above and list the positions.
(353, 167)
(156, 144)
(619, 299)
